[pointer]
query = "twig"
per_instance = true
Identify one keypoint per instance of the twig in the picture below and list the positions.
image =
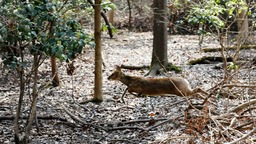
(180, 101)
(237, 85)
(79, 120)
(69, 124)
(95, 101)
(140, 128)
(248, 110)
(216, 87)
(105, 19)
(142, 120)
(245, 124)
(181, 137)
(244, 105)
(228, 48)
(65, 2)
(243, 137)
(126, 127)
(126, 106)
(154, 126)
(38, 117)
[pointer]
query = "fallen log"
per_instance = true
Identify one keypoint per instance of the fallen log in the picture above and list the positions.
(229, 48)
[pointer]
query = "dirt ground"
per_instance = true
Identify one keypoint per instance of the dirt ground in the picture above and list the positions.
(135, 119)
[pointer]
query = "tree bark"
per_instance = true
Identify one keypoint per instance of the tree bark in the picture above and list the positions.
(111, 14)
(98, 56)
(130, 14)
(105, 19)
(159, 54)
(55, 76)
(18, 111)
(32, 114)
(243, 30)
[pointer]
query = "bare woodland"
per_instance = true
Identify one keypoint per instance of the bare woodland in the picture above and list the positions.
(224, 112)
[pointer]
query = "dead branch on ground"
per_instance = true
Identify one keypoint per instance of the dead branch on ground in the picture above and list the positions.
(122, 123)
(238, 85)
(38, 117)
(228, 48)
(80, 121)
(135, 67)
(243, 137)
(244, 105)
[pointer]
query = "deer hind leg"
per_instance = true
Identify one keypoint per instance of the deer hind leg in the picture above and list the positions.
(199, 90)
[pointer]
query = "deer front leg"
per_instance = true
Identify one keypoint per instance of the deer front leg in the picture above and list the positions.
(130, 91)
(122, 98)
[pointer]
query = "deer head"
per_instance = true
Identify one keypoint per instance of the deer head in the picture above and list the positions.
(117, 74)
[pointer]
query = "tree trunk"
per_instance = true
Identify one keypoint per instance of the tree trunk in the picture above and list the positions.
(111, 14)
(130, 15)
(22, 92)
(32, 113)
(55, 76)
(159, 54)
(243, 32)
(98, 57)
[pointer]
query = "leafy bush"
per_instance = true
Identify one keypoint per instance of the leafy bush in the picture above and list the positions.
(42, 27)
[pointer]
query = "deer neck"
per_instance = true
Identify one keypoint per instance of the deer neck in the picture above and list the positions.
(125, 79)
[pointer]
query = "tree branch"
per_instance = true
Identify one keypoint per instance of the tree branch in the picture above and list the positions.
(105, 19)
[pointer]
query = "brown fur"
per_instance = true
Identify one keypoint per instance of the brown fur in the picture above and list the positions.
(154, 86)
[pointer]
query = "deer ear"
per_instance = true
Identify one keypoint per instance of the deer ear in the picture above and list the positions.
(118, 68)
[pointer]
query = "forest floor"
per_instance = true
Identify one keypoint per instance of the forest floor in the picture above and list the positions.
(156, 119)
